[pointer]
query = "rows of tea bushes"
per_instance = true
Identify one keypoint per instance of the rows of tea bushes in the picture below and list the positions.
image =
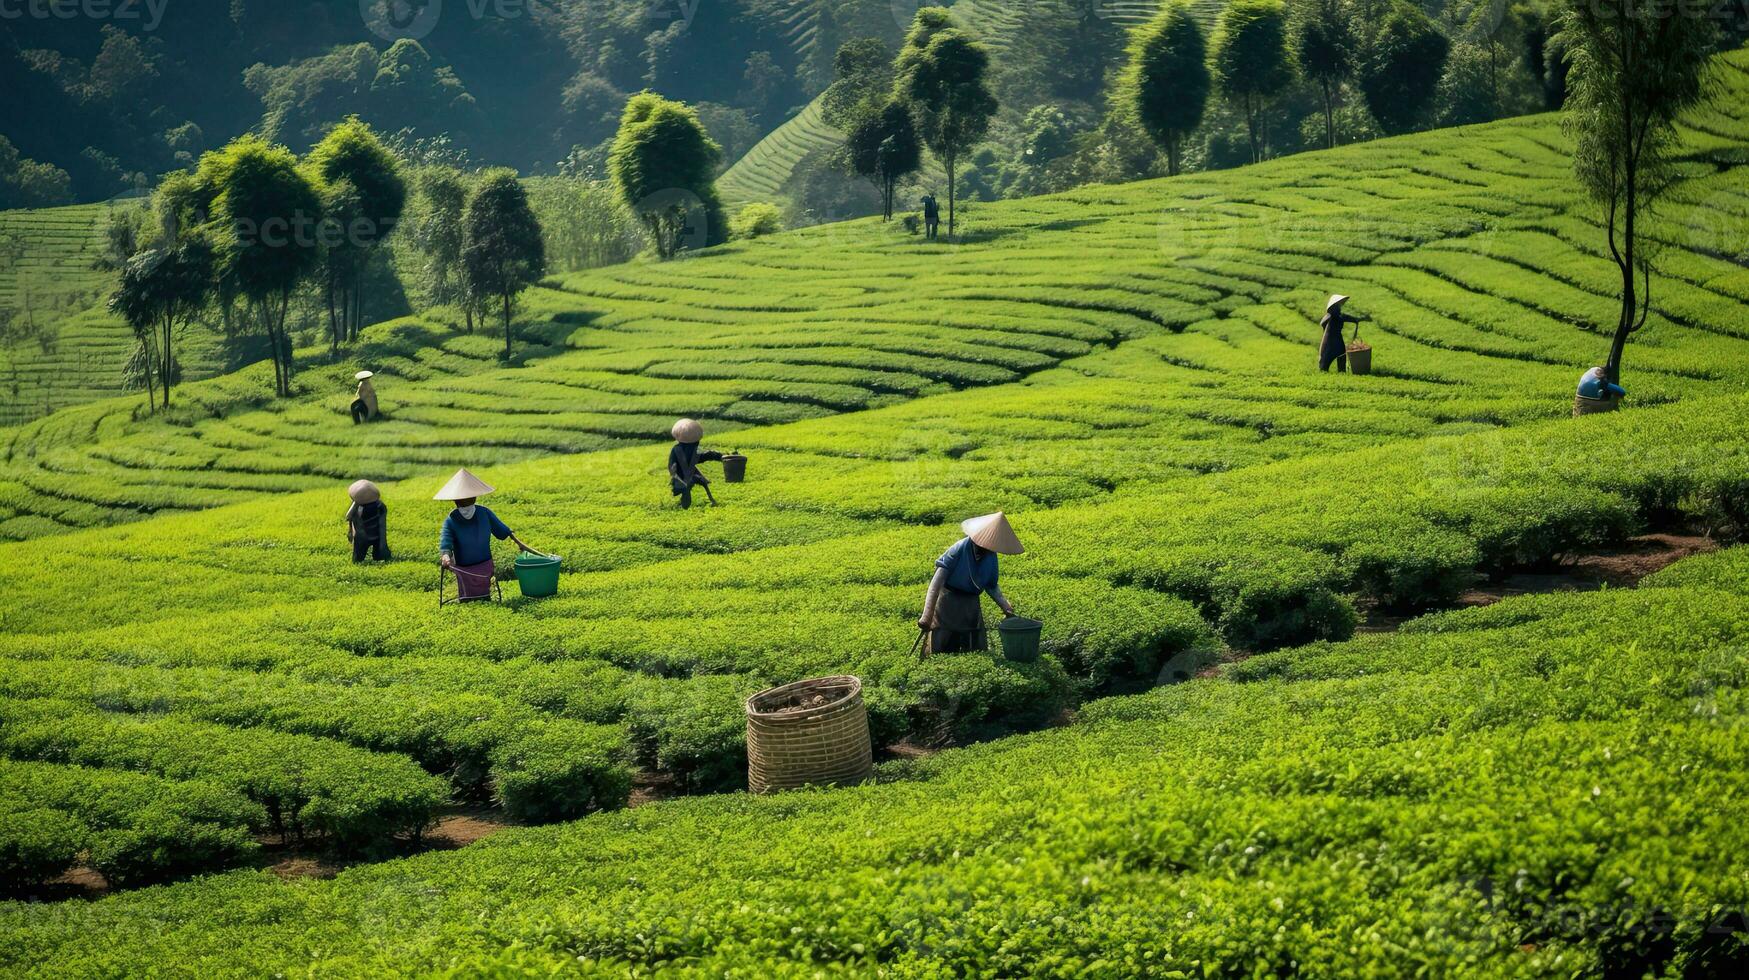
(131, 828)
(1182, 476)
(1479, 262)
(1548, 787)
(307, 788)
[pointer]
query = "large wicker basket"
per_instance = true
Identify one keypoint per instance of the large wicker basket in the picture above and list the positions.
(812, 731)
(1592, 406)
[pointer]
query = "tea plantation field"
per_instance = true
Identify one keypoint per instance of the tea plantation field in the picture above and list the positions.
(193, 670)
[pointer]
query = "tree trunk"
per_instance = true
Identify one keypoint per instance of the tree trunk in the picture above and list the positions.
(333, 321)
(169, 326)
(1329, 119)
(951, 158)
(1629, 296)
(1251, 127)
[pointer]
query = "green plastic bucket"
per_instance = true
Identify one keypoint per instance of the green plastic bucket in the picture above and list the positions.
(1020, 638)
(537, 574)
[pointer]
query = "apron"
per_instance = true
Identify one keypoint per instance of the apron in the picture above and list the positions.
(474, 581)
(959, 623)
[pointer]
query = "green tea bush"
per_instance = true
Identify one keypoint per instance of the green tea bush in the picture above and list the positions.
(37, 844)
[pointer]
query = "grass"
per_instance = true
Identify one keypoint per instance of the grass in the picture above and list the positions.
(1125, 370)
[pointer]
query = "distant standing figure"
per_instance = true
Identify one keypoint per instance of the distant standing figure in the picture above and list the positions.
(1595, 384)
(952, 608)
(465, 545)
(683, 462)
(367, 522)
(364, 407)
(1334, 348)
(931, 216)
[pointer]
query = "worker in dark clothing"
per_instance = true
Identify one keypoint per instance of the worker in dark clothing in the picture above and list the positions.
(953, 613)
(1595, 385)
(1333, 348)
(367, 522)
(364, 406)
(931, 216)
(683, 462)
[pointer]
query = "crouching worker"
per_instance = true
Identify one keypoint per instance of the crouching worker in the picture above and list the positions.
(367, 522)
(683, 462)
(364, 405)
(465, 546)
(953, 613)
(1595, 385)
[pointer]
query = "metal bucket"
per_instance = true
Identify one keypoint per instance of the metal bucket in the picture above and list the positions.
(734, 468)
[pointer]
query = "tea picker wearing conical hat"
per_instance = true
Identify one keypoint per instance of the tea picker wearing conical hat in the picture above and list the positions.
(367, 522)
(952, 608)
(683, 462)
(1333, 348)
(465, 546)
(364, 406)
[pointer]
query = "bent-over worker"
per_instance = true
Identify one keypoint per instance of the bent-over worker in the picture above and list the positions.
(683, 462)
(465, 545)
(1333, 348)
(952, 609)
(364, 405)
(367, 522)
(1595, 384)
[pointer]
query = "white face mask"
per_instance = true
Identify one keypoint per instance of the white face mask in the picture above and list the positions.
(466, 512)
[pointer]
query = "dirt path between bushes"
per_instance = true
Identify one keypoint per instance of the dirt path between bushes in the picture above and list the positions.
(1616, 568)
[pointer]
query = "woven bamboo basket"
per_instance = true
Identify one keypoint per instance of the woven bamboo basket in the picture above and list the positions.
(1592, 406)
(790, 744)
(1359, 358)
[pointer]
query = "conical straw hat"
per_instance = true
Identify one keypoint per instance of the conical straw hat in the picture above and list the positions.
(360, 376)
(686, 430)
(364, 492)
(993, 532)
(462, 486)
(1335, 299)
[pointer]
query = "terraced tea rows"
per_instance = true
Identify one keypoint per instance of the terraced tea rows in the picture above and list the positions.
(1308, 799)
(1125, 370)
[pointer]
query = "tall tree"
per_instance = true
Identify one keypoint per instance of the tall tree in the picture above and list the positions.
(1167, 81)
(1250, 60)
(664, 165)
(862, 71)
(945, 85)
(1636, 65)
(1324, 42)
(438, 234)
(160, 290)
(504, 251)
(352, 154)
(1400, 72)
(882, 147)
(266, 214)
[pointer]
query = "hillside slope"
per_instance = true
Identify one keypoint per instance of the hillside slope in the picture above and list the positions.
(1127, 372)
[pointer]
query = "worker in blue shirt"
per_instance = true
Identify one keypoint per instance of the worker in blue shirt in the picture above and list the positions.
(465, 544)
(953, 613)
(1595, 384)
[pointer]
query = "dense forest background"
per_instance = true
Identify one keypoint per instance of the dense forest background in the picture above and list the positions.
(111, 101)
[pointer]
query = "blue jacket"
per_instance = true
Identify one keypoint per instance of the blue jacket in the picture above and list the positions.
(1596, 385)
(470, 542)
(966, 572)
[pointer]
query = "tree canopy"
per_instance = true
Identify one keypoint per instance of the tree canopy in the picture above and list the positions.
(1250, 60)
(664, 165)
(1167, 81)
